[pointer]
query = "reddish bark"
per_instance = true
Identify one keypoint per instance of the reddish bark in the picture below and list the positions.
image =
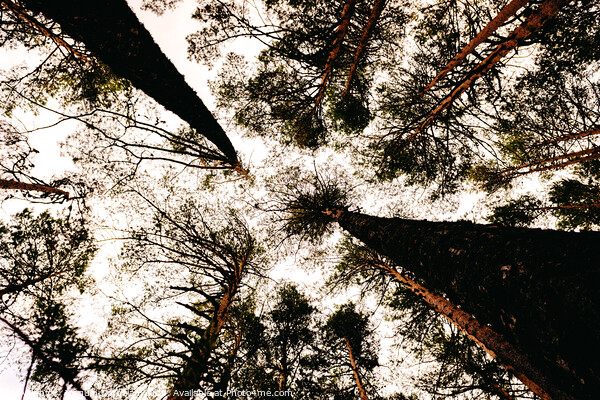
(23, 15)
(15, 185)
(342, 29)
(549, 163)
(359, 384)
(507, 11)
(535, 287)
(578, 135)
(535, 21)
(492, 342)
(362, 45)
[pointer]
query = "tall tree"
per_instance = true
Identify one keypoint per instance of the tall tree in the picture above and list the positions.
(505, 13)
(530, 292)
(362, 261)
(299, 76)
(208, 263)
(42, 258)
(113, 33)
(349, 335)
(534, 22)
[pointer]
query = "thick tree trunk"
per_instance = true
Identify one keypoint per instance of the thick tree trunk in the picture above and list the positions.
(364, 40)
(537, 288)
(535, 21)
(111, 31)
(355, 372)
(34, 187)
(507, 11)
(342, 29)
(492, 342)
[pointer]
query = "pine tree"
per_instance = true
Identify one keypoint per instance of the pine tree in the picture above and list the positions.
(113, 33)
(530, 292)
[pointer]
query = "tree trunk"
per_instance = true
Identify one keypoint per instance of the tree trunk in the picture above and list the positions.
(535, 21)
(110, 30)
(537, 288)
(546, 164)
(362, 45)
(67, 375)
(590, 132)
(342, 29)
(507, 11)
(15, 185)
(359, 384)
(194, 371)
(492, 342)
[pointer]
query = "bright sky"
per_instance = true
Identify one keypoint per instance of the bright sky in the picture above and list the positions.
(169, 31)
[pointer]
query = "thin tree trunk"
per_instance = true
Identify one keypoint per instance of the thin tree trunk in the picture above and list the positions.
(492, 342)
(35, 187)
(23, 15)
(223, 384)
(536, 287)
(590, 132)
(362, 45)
(66, 375)
(535, 21)
(551, 162)
(342, 29)
(507, 11)
(211, 334)
(359, 384)
(110, 30)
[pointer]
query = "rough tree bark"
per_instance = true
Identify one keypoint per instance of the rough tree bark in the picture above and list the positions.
(492, 342)
(537, 288)
(111, 31)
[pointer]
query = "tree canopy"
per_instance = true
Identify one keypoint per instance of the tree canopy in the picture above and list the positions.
(410, 209)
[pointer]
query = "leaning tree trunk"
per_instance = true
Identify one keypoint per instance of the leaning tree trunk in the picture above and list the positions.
(22, 14)
(537, 288)
(111, 31)
(492, 342)
(364, 40)
(355, 372)
(336, 46)
(505, 13)
(194, 370)
(32, 187)
(547, 10)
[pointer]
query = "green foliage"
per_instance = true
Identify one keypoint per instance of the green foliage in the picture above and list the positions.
(302, 205)
(517, 212)
(577, 204)
(280, 97)
(350, 115)
(42, 250)
(42, 258)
